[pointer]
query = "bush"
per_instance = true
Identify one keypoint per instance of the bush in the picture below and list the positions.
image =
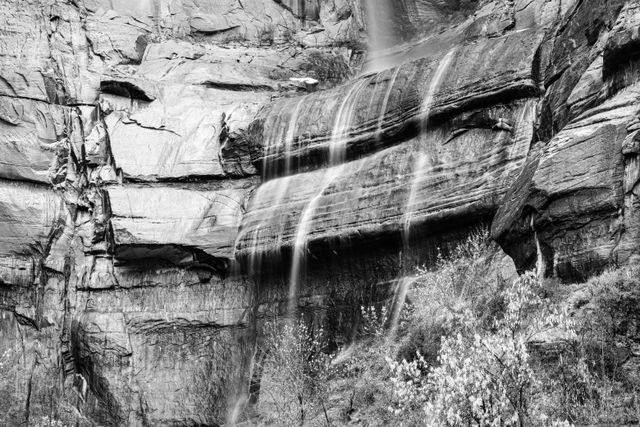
(295, 371)
(590, 381)
(471, 349)
(466, 280)
(482, 376)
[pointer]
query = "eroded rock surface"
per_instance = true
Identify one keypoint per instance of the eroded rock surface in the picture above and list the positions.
(569, 211)
(124, 176)
(165, 165)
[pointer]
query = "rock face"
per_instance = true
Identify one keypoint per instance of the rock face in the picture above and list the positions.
(173, 173)
(124, 178)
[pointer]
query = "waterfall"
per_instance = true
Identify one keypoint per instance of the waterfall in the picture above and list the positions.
(380, 15)
(337, 156)
(434, 85)
(399, 297)
(340, 132)
(385, 101)
(403, 284)
(281, 185)
(300, 244)
(420, 163)
(291, 133)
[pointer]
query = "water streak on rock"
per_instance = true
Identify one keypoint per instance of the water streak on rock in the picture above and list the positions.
(340, 132)
(300, 245)
(288, 134)
(420, 165)
(337, 155)
(385, 101)
(399, 297)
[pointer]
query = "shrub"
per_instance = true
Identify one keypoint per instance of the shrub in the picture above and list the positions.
(295, 372)
(589, 381)
(465, 280)
(482, 376)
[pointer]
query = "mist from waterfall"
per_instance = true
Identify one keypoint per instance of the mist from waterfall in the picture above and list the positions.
(379, 18)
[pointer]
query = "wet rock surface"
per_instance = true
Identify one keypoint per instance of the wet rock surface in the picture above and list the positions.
(165, 166)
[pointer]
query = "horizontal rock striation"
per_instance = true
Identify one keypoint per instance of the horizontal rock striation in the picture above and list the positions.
(389, 106)
(140, 251)
(124, 174)
(451, 174)
(158, 222)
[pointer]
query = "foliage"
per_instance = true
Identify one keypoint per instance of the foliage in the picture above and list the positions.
(465, 280)
(473, 348)
(483, 376)
(295, 371)
(588, 381)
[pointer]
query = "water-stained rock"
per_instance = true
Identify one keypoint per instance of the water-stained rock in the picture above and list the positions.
(455, 174)
(567, 211)
(389, 106)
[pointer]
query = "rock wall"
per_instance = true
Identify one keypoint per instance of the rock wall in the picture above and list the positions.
(169, 168)
(124, 177)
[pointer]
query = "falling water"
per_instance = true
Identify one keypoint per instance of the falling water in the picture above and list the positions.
(339, 134)
(421, 163)
(380, 30)
(291, 133)
(281, 185)
(434, 85)
(385, 101)
(337, 155)
(399, 297)
(300, 244)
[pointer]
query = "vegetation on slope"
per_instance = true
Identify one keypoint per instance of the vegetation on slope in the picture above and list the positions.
(472, 348)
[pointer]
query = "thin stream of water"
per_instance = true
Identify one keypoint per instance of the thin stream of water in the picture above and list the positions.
(385, 102)
(421, 162)
(337, 155)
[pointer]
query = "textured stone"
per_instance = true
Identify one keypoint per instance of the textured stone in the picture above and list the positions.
(578, 42)
(623, 43)
(388, 104)
(455, 173)
(29, 215)
(167, 346)
(566, 212)
(167, 223)
(31, 139)
(131, 134)
(241, 68)
(181, 133)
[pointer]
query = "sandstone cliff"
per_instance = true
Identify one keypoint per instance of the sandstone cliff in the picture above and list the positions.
(169, 169)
